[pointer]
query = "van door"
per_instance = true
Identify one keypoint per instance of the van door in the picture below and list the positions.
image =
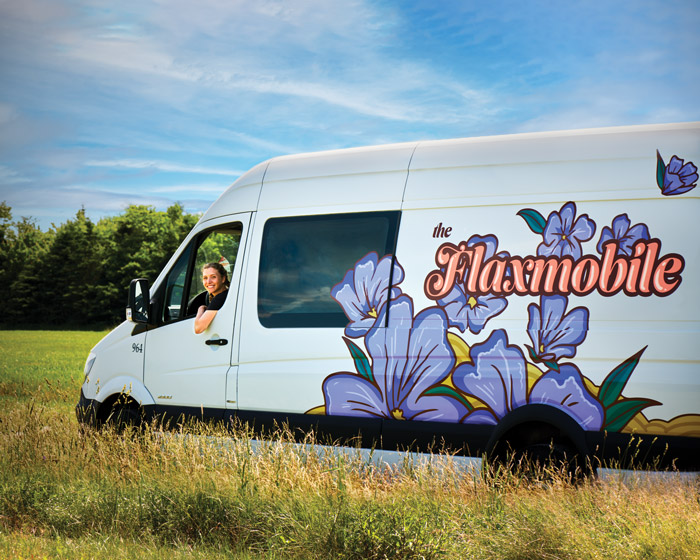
(298, 339)
(184, 370)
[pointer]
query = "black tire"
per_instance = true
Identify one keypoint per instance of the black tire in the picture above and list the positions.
(123, 416)
(542, 461)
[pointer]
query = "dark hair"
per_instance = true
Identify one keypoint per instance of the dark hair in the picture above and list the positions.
(219, 268)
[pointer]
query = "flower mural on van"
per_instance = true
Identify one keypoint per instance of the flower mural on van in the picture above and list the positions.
(563, 232)
(554, 333)
(498, 377)
(466, 311)
(677, 177)
(623, 234)
(364, 291)
(421, 364)
(406, 359)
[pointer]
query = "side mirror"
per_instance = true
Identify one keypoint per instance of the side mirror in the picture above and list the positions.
(139, 298)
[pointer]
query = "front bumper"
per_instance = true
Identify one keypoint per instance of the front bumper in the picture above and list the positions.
(87, 410)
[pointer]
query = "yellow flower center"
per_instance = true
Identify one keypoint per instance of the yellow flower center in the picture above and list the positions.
(541, 348)
(471, 302)
(372, 313)
(397, 414)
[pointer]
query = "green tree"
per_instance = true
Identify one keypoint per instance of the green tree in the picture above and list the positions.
(138, 244)
(23, 247)
(79, 272)
(68, 279)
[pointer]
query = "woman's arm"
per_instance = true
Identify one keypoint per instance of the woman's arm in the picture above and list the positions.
(203, 319)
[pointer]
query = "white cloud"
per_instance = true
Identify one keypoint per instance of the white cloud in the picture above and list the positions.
(200, 188)
(267, 145)
(11, 177)
(313, 50)
(162, 166)
(57, 205)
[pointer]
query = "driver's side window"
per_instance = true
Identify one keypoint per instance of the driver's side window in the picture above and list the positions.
(184, 291)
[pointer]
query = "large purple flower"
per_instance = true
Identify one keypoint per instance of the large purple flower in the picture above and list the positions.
(365, 290)
(466, 311)
(625, 235)
(566, 391)
(497, 375)
(678, 178)
(555, 333)
(564, 233)
(408, 358)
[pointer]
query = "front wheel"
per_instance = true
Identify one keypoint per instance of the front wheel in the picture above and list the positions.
(123, 415)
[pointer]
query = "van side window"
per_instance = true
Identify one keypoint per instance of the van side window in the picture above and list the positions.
(304, 257)
(183, 286)
(220, 245)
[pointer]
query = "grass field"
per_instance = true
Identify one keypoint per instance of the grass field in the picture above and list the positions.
(44, 366)
(197, 493)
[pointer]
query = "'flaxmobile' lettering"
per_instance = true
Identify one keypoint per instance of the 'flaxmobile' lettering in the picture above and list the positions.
(643, 273)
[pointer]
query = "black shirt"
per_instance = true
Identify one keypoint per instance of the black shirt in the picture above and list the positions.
(217, 302)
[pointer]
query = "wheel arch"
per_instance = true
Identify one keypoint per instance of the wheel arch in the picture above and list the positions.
(128, 388)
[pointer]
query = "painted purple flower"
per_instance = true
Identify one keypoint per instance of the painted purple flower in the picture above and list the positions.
(364, 291)
(566, 391)
(555, 333)
(466, 311)
(678, 177)
(625, 235)
(564, 233)
(497, 375)
(408, 358)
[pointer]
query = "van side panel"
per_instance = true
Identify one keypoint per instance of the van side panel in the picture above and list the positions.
(626, 359)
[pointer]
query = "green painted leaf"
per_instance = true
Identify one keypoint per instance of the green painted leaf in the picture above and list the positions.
(552, 365)
(660, 170)
(534, 219)
(620, 413)
(361, 361)
(533, 355)
(612, 386)
(447, 391)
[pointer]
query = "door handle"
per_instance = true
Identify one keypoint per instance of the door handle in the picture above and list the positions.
(216, 342)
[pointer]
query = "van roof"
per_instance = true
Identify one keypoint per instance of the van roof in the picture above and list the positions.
(415, 174)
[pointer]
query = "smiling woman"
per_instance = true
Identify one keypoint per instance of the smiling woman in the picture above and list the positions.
(215, 280)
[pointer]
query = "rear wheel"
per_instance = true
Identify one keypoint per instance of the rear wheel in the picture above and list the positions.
(548, 461)
(539, 453)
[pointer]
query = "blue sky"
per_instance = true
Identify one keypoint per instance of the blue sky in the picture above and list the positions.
(106, 104)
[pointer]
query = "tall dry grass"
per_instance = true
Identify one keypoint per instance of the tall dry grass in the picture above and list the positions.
(207, 492)
(198, 489)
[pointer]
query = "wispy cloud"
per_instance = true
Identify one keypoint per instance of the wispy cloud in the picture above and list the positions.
(214, 189)
(276, 53)
(162, 166)
(11, 177)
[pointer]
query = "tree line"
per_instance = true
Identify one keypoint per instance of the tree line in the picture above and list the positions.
(78, 274)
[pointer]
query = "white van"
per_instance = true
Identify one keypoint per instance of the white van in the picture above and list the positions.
(524, 292)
